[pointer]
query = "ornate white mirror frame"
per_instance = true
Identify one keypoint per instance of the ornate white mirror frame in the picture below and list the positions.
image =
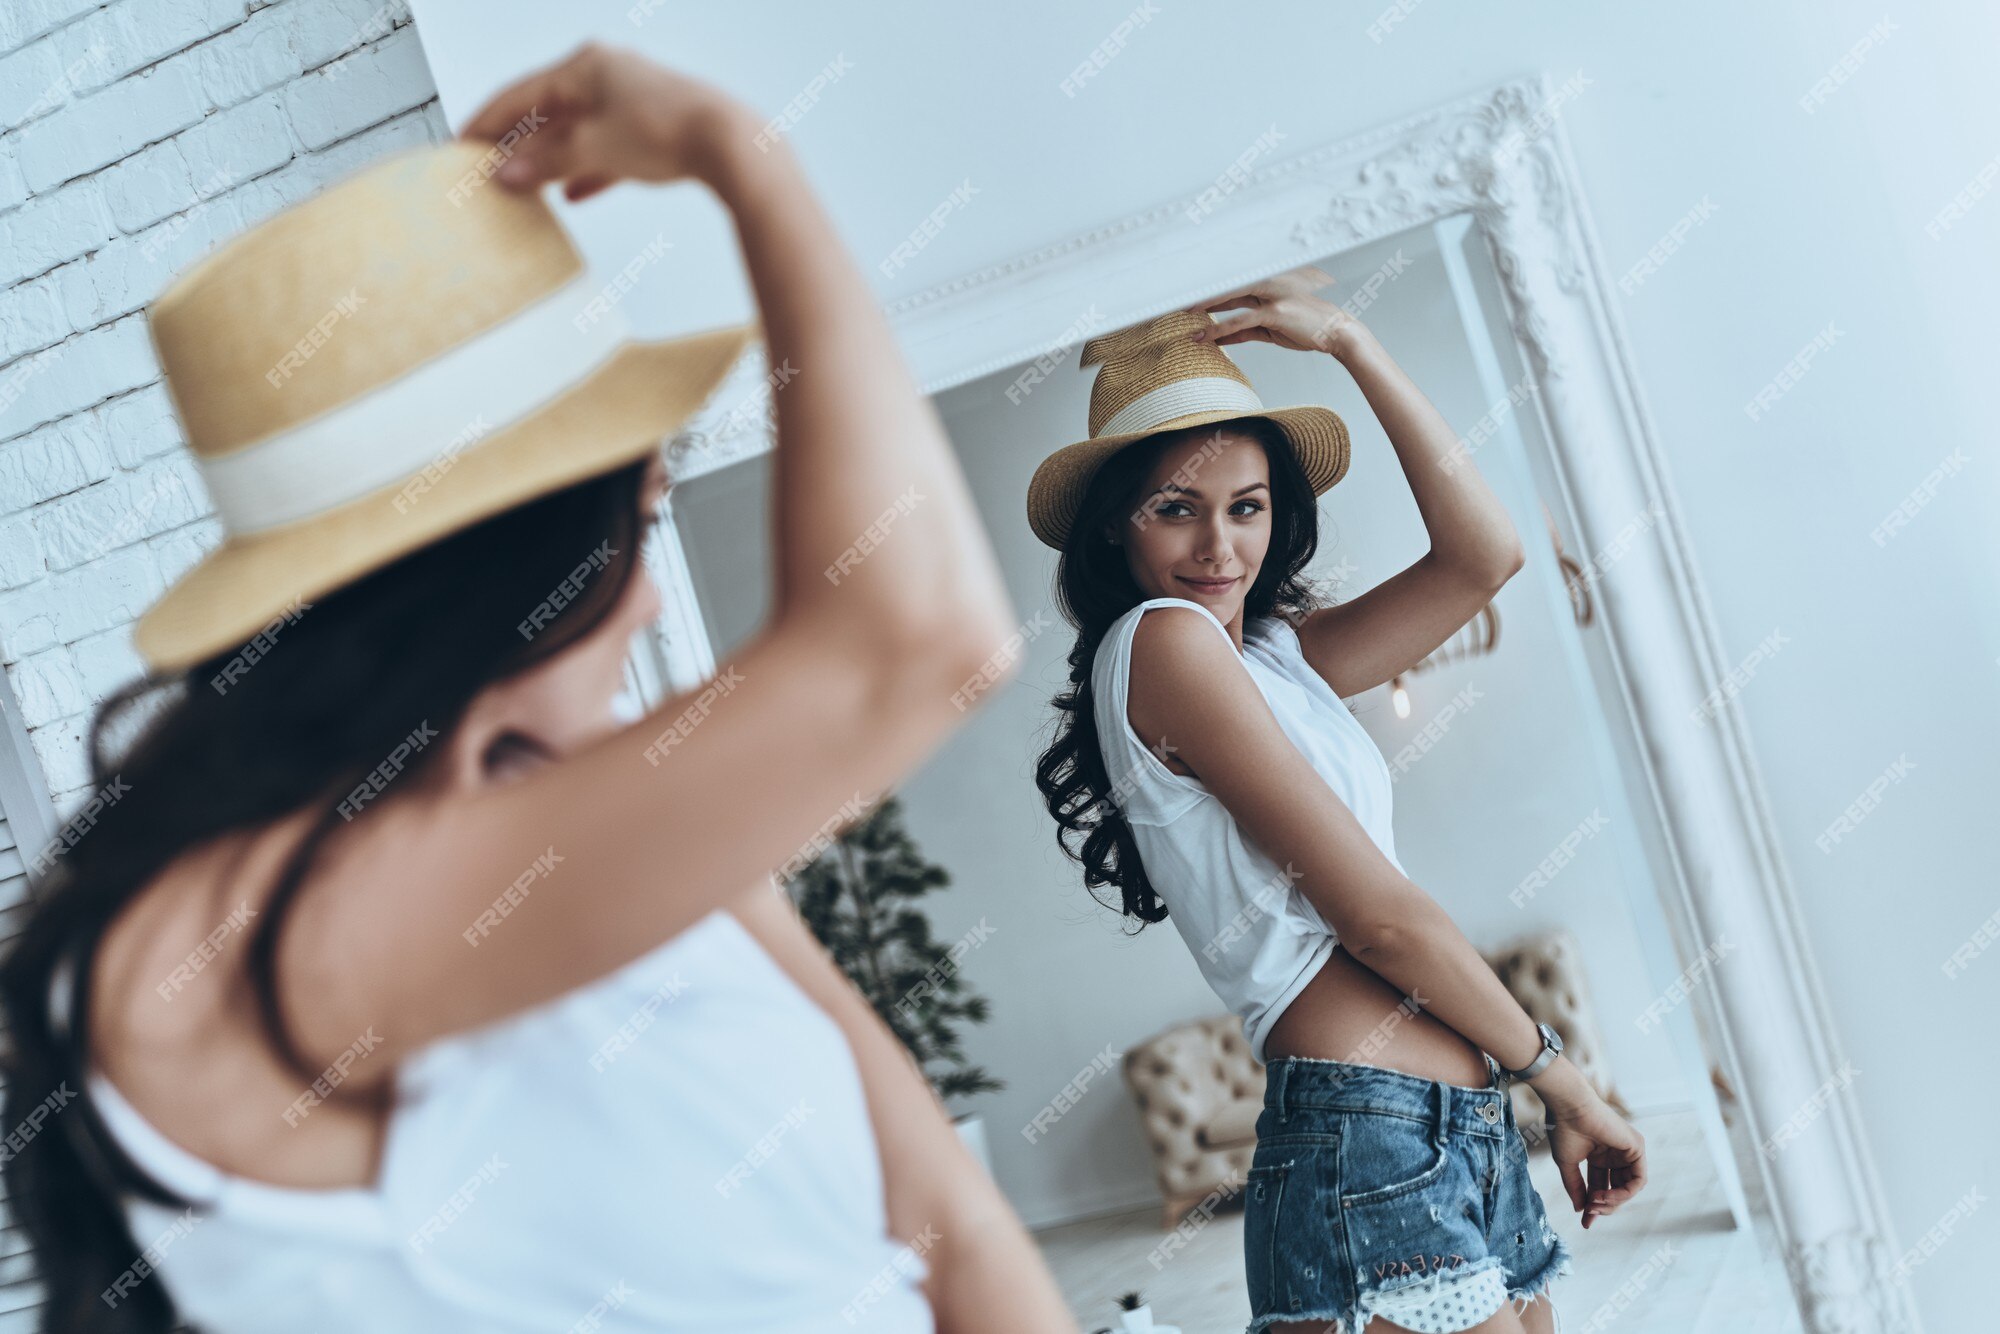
(1500, 158)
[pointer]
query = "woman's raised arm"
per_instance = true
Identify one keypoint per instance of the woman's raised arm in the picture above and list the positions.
(1372, 636)
(886, 606)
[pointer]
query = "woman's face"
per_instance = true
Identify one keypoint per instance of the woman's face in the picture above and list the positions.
(1202, 521)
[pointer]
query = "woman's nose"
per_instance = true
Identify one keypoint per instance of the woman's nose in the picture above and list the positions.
(1212, 543)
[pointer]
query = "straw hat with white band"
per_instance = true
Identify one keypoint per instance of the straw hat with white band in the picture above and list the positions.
(411, 351)
(1155, 377)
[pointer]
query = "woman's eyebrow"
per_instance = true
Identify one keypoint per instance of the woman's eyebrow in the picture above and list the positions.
(1190, 491)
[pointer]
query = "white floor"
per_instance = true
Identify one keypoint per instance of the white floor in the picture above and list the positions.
(1711, 1279)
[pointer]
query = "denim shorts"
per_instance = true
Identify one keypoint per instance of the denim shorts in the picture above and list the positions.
(1379, 1194)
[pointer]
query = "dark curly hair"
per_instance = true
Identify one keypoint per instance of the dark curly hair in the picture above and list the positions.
(1094, 587)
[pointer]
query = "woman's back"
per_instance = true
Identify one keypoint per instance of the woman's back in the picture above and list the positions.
(680, 1144)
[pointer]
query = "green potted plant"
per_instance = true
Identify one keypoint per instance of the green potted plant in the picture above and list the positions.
(859, 898)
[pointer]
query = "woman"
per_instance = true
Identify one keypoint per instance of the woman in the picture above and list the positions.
(1206, 765)
(512, 1032)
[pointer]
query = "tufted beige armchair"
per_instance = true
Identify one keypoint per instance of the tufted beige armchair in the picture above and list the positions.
(1199, 1089)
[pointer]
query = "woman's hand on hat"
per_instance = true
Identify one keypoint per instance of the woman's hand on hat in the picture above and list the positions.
(604, 114)
(1284, 309)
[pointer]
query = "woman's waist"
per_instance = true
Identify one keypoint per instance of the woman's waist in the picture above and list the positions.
(1309, 1097)
(1350, 1015)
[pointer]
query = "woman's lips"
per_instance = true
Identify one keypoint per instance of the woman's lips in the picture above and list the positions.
(1208, 585)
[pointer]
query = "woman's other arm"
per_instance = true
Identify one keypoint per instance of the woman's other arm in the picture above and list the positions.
(986, 1277)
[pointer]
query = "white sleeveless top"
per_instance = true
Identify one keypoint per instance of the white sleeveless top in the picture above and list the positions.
(682, 1144)
(1255, 936)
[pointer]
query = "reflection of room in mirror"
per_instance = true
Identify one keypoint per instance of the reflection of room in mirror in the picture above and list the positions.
(1609, 859)
(1535, 821)
(1525, 827)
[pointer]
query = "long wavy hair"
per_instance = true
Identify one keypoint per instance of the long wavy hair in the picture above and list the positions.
(220, 749)
(1094, 587)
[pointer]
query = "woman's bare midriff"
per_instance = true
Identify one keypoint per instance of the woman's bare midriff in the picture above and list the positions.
(1349, 1013)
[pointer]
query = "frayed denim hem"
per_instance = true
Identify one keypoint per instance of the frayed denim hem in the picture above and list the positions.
(1559, 1266)
(1335, 1323)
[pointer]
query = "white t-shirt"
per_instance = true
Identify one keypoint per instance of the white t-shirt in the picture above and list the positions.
(682, 1144)
(1256, 937)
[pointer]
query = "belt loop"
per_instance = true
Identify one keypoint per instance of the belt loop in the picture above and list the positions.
(1443, 1112)
(1275, 1074)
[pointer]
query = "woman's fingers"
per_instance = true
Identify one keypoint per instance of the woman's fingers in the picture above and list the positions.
(1615, 1175)
(601, 116)
(1594, 1198)
(1292, 282)
(538, 160)
(1635, 1170)
(554, 111)
(1233, 322)
(558, 91)
(578, 151)
(498, 115)
(1311, 278)
(1307, 279)
(1572, 1179)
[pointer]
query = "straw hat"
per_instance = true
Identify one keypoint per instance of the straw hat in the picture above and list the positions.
(1156, 378)
(411, 351)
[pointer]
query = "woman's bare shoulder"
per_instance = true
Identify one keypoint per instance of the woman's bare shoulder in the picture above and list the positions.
(1178, 663)
(165, 960)
(174, 1024)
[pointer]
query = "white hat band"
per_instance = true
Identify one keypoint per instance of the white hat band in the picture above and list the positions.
(1201, 393)
(393, 432)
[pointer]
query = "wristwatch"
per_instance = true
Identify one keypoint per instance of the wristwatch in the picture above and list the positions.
(1552, 1045)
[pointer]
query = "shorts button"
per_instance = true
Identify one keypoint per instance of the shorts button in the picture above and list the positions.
(1489, 1112)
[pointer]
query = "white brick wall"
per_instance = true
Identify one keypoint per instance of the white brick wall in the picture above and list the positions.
(133, 136)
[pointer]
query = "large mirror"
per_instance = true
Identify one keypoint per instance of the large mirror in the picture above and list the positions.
(1571, 782)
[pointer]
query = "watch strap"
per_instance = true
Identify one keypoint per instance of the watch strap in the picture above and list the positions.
(1551, 1048)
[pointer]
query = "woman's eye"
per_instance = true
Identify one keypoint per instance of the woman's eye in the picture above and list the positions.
(1168, 507)
(1254, 506)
